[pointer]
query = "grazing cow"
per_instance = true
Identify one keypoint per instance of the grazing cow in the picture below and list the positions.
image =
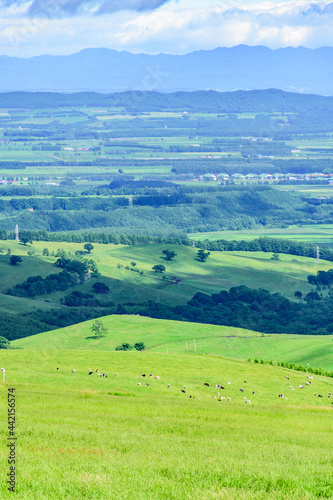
(169, 385)
(291, 387)
(229, 383)
(182, 390)
(242, 390)
(116, 374)
(248, 401)
(90, 373)
(157, 378)
(281, 396)
(307, 383)
(221, 387)
(73, 371)
(139, 383)
(143, 375)
(245, 381)
(206, 384)
(300, 386)
(310, 378)
(229, 399)
(151, 375)
(57, 369)
(253, 392)
(286, 377)
(146, 384)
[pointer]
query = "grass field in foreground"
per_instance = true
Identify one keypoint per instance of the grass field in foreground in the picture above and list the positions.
(85, 437)
(178, 337)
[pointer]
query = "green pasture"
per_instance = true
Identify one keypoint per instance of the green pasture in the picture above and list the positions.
(315, 233)
(181, 337)
(221, 271)
(313, 191)
(81, 436)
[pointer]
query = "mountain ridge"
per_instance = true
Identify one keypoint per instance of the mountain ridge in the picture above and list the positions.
(222, 69)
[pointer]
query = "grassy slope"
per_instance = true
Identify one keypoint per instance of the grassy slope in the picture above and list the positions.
(221, 271)
(316, 234)
(162, 335)
(87, 437)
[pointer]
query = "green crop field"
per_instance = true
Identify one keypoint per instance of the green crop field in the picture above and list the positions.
(181, 337)
(81, 436)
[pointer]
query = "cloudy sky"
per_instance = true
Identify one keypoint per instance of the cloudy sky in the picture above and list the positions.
(35, 27)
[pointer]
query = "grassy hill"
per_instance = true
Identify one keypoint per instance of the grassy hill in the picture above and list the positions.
(221, 271)
(181, 337)
(83, 436)
(313, 233)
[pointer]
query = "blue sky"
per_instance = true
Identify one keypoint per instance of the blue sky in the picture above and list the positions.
(35, 27)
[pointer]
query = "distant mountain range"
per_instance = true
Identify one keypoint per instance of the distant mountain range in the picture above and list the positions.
(223, 69)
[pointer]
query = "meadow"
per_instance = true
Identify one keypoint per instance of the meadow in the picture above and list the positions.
(312, 233)
(181, 337)
(221, 271)
(81, 436)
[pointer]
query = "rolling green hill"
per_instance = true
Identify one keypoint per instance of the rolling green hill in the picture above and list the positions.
(83, 436)
(221, 271)
(180, 337)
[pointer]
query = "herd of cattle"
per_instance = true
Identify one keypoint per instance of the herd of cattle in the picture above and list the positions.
(218, 395)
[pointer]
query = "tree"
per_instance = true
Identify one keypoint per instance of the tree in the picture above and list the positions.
(159, 268)
(4, 343)
(202, 255)
(275, 256)
(15, 259)
(124, 347)
(100, 287)
(169, 254)
(46, 252)
(133, 264)
(98, 328)
(139, 346)
(88, 247)
(25, 237)
(298, 294)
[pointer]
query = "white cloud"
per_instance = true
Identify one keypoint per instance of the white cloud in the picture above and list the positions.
(171, 28)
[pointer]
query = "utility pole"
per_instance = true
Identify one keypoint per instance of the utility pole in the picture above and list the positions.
(17, 233)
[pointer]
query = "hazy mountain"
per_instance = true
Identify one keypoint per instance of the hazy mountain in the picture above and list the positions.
(223, 69)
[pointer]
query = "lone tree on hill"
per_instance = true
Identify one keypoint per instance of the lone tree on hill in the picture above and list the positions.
(15, 259)
(88, 247)
(169, 254)
(202, 255)
(159, 268)
(98, 328)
